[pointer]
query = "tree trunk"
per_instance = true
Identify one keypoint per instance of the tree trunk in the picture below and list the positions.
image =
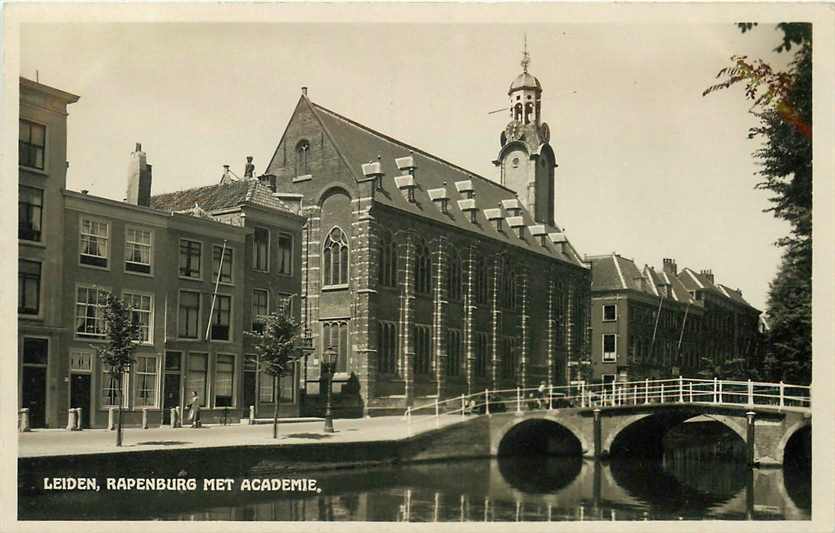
(119, 411)
(277, 382)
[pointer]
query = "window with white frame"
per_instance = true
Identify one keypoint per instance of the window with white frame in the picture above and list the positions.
(141, 314)
(260, 308)
(110, 394)
(261, 250)
(31, 144)
(94, 241)
(224, 380)
(222, 318)
(610, 347)
(198, 366)
(285, 254)
(145, 372)
(190, 258)
(89, 312)
(188, 318)
(28, 287)
(29, 213)
(137, 250)
(224, 265)
(610, 312)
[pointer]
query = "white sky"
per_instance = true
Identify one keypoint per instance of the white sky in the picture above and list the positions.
(647, 166)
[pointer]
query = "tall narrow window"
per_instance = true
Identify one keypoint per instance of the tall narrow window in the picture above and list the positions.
(610, 312)
(29, 213)
(28, 287)
(454, 348)
(221, 318)
(302, 158)
(423, 349)
(224, 380)
(423, 270)
(189, 315)
(387, 347)
(146, 381)
(455, 277)
(138, 250)
(142, 313)
(480, 354)
(508, 285)
(198, 366)
(285, 254)
(387, 267)
(335, 334)
(610, 344)
(89, 312)
(260, 308)
(482, 288)
(94, 240)
(223, 265)
(261, 250)
(110, 394)
(31, 144)
(335, 258)
(190, 254)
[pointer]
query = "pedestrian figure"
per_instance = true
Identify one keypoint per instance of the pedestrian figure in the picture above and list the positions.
(194, 409)
(541, 391)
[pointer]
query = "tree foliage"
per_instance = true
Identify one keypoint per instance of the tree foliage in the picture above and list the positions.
(782, 102)
(122, 333)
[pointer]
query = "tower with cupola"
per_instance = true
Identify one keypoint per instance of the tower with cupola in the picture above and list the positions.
(526, 160)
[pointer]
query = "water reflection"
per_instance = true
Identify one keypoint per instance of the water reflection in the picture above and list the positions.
(683, 483)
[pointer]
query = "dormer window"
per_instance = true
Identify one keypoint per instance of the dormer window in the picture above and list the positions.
(303, 158)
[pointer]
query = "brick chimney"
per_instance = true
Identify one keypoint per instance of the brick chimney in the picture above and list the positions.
(139, 178)
(708, 274)
(670, 266)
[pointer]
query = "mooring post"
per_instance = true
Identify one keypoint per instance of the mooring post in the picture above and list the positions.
(78, 418)
(251, 414)
(71, 414)
(111, 418)
(173, 422)
(750, 437)
(597, 433)
(720, 392)
(144, 418)
(24, 420)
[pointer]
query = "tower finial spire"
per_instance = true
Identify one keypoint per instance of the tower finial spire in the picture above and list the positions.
(526, 58)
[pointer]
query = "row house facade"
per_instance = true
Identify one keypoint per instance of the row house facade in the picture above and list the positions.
(196, 278)
(649, 323)
(429, 280)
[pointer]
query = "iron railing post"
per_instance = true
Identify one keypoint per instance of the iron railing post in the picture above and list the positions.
(750, 393)
(462, 406)
(486, 401)
(518, 400)
(550, 397)
(680, 390)
(720, 392)
(690, 390)
(646, 391)
(715, 389)
(782, 394)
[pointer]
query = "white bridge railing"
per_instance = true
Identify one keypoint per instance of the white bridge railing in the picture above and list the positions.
(629, 393)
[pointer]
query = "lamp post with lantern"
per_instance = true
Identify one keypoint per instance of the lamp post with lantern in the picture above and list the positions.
(329, 357)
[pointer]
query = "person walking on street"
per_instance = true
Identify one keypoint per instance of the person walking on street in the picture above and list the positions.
(194, 409)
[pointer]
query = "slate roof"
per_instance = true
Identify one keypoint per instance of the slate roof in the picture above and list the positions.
(613, 272)
(358, 144)
(220, 196)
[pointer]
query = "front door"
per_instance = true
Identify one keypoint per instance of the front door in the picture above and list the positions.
(249, 392)
(34, 394)
(172, 396)
(80, 396)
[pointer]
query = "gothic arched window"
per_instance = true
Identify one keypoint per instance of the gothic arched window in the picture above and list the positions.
(455, 276)
(387, 265)
(302, 158)
(482, 289)
(423, 270)
(335, 258)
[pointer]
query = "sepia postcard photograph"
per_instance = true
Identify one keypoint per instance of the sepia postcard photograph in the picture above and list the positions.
(351, 265)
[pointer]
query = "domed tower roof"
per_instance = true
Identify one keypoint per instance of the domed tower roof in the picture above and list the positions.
(525, 80)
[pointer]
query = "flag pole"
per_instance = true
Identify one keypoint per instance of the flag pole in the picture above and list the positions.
(214, 294)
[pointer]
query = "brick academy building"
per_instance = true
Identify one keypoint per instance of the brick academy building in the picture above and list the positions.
(427, 278)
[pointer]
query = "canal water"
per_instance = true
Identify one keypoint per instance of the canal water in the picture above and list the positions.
(700, 480)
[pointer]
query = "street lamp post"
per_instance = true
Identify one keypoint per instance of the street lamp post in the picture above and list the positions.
(328, 367)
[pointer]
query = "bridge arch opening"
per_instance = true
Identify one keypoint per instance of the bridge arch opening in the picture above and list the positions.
(797, 467)
(679, 432)
(539, 437)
